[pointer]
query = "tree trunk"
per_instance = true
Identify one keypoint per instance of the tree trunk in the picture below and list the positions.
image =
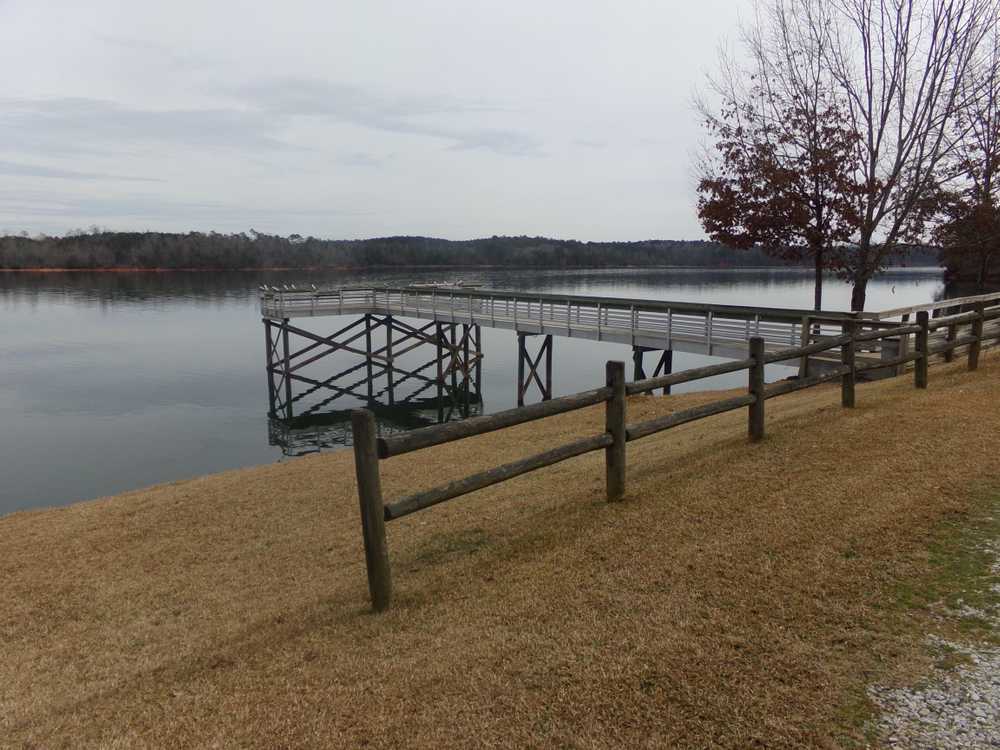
(818, 284)
(984, 270)
(858, 293)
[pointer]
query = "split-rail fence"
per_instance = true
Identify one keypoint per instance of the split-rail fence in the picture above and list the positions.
(856, 334)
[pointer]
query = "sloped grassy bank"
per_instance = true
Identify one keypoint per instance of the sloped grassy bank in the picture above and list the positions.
(742, 595)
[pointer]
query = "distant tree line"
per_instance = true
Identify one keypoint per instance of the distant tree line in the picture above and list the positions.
(253, 250)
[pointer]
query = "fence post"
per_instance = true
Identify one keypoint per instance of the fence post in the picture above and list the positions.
(756, 388)
(372, 508)
(977, 331)
(847, 359)
(920, 365)
(949, 355)
(614, 423)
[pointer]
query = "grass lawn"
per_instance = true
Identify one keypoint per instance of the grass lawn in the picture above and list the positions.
(741, 596)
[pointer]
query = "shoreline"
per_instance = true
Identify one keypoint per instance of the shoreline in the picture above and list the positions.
(422, 267)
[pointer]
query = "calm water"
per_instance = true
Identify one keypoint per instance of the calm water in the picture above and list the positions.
(110, 382)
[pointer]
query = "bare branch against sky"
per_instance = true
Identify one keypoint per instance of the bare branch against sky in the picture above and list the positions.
(568, 119)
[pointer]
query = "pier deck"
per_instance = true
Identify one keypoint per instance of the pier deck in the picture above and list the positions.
(716, 330)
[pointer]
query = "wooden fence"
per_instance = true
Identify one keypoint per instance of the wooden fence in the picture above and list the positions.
(369, 449)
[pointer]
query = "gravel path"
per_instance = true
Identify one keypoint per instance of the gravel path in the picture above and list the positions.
(959, 710)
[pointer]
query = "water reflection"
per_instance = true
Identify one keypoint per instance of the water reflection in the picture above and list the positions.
(318, 430)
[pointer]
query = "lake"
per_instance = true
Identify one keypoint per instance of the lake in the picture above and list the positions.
(115, 381)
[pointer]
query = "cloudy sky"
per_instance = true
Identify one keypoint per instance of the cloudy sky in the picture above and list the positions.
(355, 118)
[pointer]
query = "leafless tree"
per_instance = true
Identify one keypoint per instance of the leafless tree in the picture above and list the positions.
(779, 175)
(969, 227)
(903, 67)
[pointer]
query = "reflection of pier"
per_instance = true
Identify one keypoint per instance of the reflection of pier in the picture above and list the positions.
(332, 429)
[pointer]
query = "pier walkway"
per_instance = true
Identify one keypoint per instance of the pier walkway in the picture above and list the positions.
(455, 315)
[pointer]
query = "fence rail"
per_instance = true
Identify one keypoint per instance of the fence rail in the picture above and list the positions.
(369, 449)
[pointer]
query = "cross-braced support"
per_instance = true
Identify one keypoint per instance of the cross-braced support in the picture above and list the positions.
(525, 378)
(664, 365)
(381, 342)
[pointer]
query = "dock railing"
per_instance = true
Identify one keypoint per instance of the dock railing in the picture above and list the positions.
(370, 450)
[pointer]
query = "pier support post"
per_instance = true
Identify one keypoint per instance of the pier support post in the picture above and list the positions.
(370, 380)
(664, 365)
(389, 366)
(805, 338)
(528, 367)
(756, 389)
(269, 351)
(288, 369)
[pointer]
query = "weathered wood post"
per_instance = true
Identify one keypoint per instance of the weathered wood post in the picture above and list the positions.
(920, 364)
(949, 354)
(614, 423)
(847, 359)
(372, 508)
(977, 332)
(756, 388)
(288, 368)
(521, 356)
(269, 348)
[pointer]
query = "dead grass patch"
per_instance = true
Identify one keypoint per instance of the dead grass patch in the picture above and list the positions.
(741, 596)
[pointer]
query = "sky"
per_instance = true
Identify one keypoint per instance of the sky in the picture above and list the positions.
(361, 118)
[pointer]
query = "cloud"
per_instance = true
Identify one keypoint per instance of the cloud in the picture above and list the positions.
(14, 169)
(77, 125)
(405, 115)
(359, 159)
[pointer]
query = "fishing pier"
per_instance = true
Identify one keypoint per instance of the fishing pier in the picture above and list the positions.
(442, 328)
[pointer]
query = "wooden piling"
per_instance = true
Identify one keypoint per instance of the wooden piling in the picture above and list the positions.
(756, 389)
(920, 365)
(614, 424)
(389, 365)
(848, 359)
(977, 333)
(372, 508)
(522, 354)
(288, 369)
(269, 349)
(805, 338)
(667, 359)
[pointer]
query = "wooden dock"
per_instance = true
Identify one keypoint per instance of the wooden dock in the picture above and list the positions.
(454, 317)
(714, 330)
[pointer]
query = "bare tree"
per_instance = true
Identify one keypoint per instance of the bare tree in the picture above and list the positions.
(902, 66)
(969, 230)
(779, 176)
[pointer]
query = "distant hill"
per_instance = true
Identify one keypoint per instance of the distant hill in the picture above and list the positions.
(197, 250)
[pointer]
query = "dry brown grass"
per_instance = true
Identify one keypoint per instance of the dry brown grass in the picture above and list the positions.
(737, 598)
